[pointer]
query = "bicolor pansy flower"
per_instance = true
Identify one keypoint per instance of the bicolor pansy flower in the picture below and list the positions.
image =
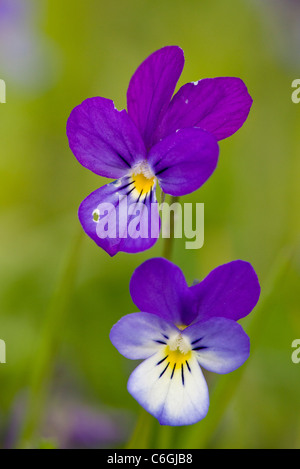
(159, 139)
(182, 329)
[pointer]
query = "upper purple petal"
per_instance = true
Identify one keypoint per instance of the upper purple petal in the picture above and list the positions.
(151, 88)
(218, 105)
(158, 286)
(183, 161)
(229, 291)
(123, 216)
(104, 139)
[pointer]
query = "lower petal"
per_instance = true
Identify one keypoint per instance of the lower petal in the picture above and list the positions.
(175, 397)
(117, 218)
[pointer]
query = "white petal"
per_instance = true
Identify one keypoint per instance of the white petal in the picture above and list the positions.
(181, 399)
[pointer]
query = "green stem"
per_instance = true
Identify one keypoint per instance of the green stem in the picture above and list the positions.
(165, 437)
(142, 434)
(169, 242)
(48, 346)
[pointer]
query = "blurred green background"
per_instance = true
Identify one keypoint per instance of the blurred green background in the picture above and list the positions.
(58, 302)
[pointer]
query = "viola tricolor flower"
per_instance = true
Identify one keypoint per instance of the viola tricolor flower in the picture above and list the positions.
(172, 141)
(182, 329)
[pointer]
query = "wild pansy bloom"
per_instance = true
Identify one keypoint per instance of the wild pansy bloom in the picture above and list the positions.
(172, 141)
(182, 329)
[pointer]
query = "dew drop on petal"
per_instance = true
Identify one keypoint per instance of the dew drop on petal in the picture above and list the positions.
(96, 215)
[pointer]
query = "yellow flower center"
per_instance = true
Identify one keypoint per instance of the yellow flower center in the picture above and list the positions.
(143, 177)
(142, 183)
(177, 357)
(178, 352)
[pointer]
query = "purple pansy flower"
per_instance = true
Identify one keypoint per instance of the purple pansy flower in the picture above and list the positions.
(182, 329)
(172, 141)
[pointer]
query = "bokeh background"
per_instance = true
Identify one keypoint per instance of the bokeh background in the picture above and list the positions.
(64, 384)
